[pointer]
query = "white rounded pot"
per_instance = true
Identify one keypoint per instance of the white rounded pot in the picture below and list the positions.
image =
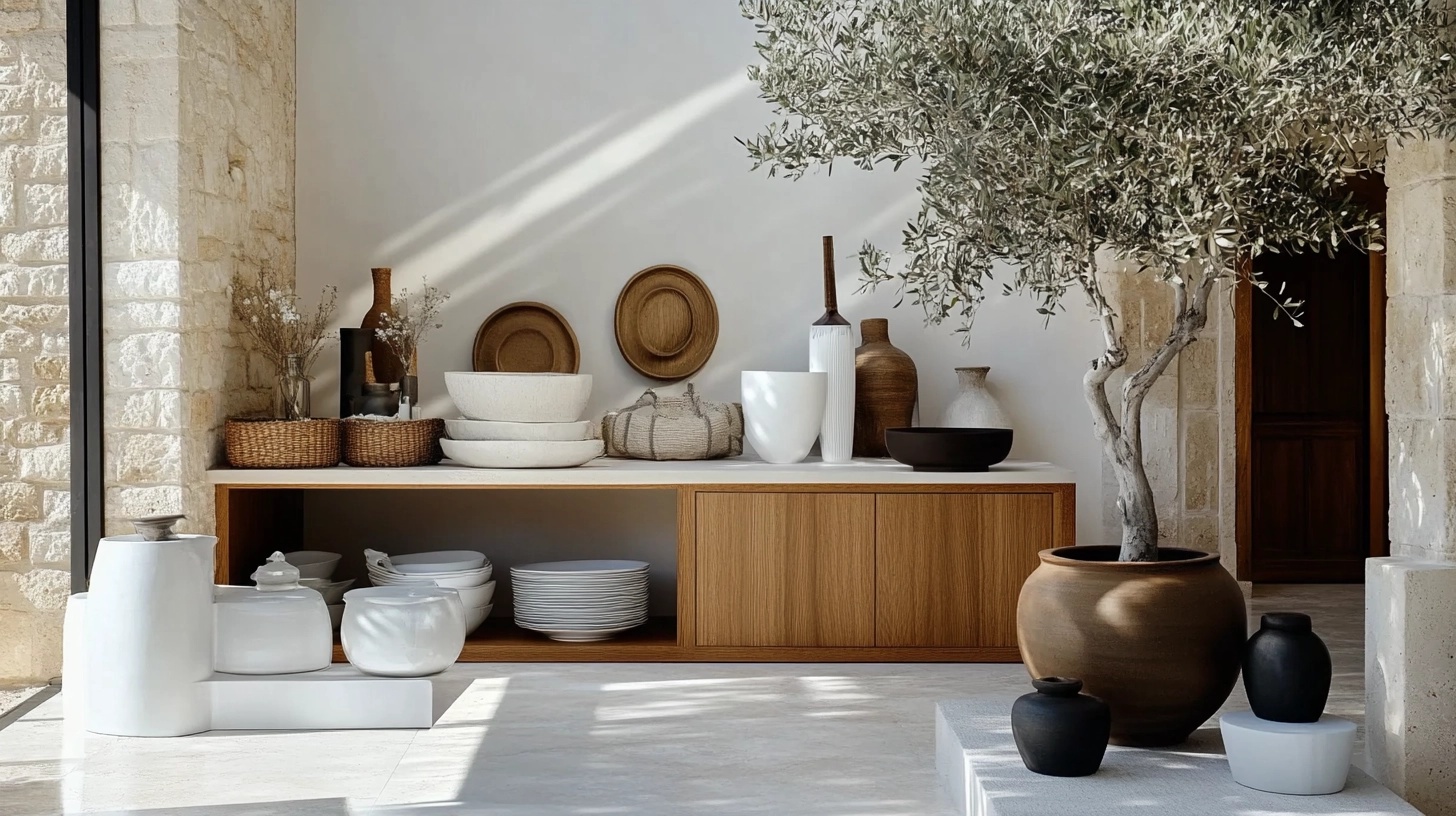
(271, 632)
(399, 631)
(73, 661)
(149, 624)
(509, 397)
(974, 406)
(782, 412)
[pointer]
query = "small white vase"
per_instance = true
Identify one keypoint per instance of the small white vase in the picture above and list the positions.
(973, 406)
(831, 350)
(149, 636)
(73, 662)
(783, 412)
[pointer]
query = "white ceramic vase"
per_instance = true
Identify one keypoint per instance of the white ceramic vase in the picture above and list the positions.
(149, 624)
(973, 406)
(831, 350)
(398, 631)
(783, 412)
(73, 661)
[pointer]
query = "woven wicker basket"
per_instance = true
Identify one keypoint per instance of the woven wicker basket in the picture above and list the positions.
(408, 443)
(282, 443)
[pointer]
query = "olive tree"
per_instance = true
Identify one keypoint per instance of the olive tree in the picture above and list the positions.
(1186, 137)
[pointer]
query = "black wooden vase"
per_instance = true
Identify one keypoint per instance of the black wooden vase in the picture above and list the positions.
(1287, 669)
(1058, 730)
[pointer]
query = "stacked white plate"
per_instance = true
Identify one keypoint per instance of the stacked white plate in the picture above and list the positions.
(519, 420)
(465, 571)
(580, 601)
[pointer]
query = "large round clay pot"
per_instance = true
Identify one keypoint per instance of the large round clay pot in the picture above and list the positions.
(1159, 641)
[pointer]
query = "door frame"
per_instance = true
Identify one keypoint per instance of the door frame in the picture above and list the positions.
(1379, 515)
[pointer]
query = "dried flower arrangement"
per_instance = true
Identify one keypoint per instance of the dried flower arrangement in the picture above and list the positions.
(270, 314)
(416, 314)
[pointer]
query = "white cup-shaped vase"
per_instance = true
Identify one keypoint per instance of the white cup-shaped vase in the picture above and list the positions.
(782, 412)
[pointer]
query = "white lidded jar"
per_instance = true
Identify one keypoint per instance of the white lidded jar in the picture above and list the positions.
(279, 627)
(403, 631)
(148, 632)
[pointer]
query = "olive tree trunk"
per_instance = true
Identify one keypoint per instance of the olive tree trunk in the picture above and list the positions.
(1120, 430)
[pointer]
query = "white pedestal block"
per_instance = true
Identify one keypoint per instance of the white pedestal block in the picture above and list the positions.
(338, 697)
(976, 758)
(1306, 759)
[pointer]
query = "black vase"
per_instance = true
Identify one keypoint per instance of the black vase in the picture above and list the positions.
(353, 345)
(1058, 731)
(1287, 669)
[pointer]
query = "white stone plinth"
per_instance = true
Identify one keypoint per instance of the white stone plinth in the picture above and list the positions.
(976, 758)
(338, 697)
(1410, 679)
(1307, 759)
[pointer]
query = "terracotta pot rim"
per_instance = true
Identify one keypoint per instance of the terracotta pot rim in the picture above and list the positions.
(1062, 557)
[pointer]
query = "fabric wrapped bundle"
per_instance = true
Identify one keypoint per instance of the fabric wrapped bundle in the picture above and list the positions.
(682, 427)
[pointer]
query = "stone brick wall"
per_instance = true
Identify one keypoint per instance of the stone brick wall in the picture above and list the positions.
(34, 363)
(197, 123)
(1188, 419)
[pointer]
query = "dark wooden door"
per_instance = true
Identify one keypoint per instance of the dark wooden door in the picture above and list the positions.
(1311, 421)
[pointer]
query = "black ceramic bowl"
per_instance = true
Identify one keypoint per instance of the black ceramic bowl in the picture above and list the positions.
(948, 449)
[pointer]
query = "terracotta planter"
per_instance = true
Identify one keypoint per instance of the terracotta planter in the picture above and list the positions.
(1161, 642)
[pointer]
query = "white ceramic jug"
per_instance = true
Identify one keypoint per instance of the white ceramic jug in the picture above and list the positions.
(149, 633)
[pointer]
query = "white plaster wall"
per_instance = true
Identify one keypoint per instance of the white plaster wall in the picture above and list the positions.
(548, 151)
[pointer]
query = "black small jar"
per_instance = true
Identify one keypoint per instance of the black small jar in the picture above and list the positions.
(1059, 731)
(1287, 669)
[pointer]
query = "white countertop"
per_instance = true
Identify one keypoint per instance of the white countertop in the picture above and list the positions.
(637, 473)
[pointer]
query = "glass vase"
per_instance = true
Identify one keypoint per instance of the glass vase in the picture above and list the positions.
(293, 393)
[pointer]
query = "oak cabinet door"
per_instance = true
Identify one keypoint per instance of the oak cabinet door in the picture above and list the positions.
(949, 567)
(785, 569)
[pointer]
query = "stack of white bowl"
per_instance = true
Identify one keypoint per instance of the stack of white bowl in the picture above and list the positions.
(580, 601)
(465, 571)
(316, 571)
(519, 420)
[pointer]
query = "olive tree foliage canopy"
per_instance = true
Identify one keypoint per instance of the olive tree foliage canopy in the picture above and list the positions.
(1185, 136)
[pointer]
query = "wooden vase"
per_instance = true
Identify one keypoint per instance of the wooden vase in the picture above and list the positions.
(387, 367)
(886, 388)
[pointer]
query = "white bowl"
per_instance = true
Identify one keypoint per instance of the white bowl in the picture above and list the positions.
(336, 615)
(783, 412)
(402, 631)
(481, 430)
(437, 561)
(522, 454)
(333, 591)
(474, 617)
(474, 597)
(314, 563)
(509, 397)
(451, 581)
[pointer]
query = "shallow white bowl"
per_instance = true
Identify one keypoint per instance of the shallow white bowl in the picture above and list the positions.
(314, 563)
(437, 561)
(507, 397)
(333, 591)
(475, 616)
(450, 581)
(474, 597)
(481, 430)
(522, 454)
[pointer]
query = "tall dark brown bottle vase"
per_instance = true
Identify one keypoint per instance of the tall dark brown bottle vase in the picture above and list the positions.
(386, 364)
(886, 387)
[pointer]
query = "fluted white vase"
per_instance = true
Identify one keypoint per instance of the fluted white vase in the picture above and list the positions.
(831, 351)
(782, 413)
(149, 636)
(973, 405)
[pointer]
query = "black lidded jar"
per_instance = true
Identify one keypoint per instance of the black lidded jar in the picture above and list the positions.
(1058, 730)
(1287, 669)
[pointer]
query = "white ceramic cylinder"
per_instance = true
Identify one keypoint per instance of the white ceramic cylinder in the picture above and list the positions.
(397, 631)
(73, 661)
(1306, 759)
(783, 412)
(149, 636)
(831, 350)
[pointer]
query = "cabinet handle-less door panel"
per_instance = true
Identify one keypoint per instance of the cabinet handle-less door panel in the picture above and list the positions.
(785, 569)
(949, 568)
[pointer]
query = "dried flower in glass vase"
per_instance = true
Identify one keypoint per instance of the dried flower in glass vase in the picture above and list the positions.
(288, 337)
(415, 315)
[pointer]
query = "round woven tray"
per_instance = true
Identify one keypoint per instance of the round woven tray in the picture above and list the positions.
(282, 443)
(407, 443)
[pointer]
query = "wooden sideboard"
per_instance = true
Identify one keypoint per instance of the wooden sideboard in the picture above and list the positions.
(867, 561)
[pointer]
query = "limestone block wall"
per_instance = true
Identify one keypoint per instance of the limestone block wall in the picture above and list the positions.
(34, 363)
(1188, 418)
(197, 128)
